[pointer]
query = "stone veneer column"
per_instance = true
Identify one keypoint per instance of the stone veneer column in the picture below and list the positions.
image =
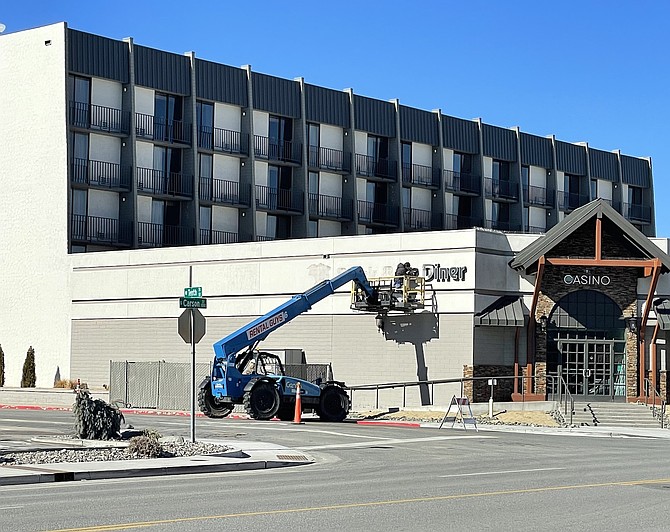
(663, 384)
(468, 373)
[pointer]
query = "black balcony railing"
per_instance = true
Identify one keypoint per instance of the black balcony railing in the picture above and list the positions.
(417, 174)
(377, 213)
(157, 235)
(568, 201)
(278, 199)
(639, 213)
(164, 183)
(223, 140)
(462, 222)
(543, 197)
(322, 206)
(535, 229)
(211, 236)
(100, 174)
(99, 118)
(156, 128)
(222, 191)
(368, 166)
(265, 238)
(97, 230)
(460, 183)
(287, 151)
(501, 225)
(499, 189)
(328, 159)
(416, 219)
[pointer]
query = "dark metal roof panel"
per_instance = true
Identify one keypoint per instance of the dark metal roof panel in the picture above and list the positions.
(662, 310)
(276, 95)
(507, 311)
(604, 165)
(162, 71)
(327, 106)
(417, 125)
(527, 257)
(460, 135)
(570, 158)
(536, 151)
(221, 83)
(97, 56)
(635, 171)
(374, 116)
(499, 143)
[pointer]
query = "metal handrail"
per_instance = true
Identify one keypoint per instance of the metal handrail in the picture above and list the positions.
(660, 413)
(564, 396)
(431, 383)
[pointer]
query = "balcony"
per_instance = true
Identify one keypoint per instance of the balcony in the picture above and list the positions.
(377, 213)
(568, 201)
(211, 236)
(501, 190)
(416, 220)
(538, 196)
(160, 129)
(226, 192)
(223, 140)
(455, 221)
(501, 225)
(279, 199)
(264, 238)
(462, 184)
(420, 175)
(367, 166)
(535, 230)
(328, 159)
(100, 174)
(161, 183)
(99, 118)
(150, 235)
(286, 151)
(637, 213)
(104, 231)
(330, 207)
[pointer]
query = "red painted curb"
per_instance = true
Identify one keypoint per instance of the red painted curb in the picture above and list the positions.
(144, 411)
(34, 407)
(388, 423)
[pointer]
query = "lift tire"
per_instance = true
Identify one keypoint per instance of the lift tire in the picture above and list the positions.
(262, 401)
(208, 405)
(333, 404)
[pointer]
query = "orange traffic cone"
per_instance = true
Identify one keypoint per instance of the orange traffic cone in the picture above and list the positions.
(297, 417)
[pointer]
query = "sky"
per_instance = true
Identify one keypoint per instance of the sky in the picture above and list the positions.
(583, 70)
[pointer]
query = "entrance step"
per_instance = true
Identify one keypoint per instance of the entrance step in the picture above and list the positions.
(614, 414)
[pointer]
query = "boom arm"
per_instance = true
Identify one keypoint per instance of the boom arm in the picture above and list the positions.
(260, 328)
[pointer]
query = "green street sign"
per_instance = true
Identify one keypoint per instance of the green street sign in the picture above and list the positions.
(193, 292)
(185, 302)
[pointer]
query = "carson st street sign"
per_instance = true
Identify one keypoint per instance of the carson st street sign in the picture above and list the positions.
(192, 302)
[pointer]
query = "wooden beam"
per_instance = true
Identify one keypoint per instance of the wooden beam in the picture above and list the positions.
(599, 238)
(617, 263)
(530, 339)
(652, 356)
(645, 317)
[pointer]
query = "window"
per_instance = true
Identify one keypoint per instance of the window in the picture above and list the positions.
(572, 190)
(80, 95)
(204, 113)
(594, 188)
(634, 195)
(312, 228)
(167, 177)
(205, 219)
(500, 213)
(80, 158)
(407, 198)
(278, 227)
(313, 183)
(280, 135)
(313, 133)
(168, 109)
(279, 184)
(500, 170)
(462, 163)
(406, 160)
(79, 202)
(378, 147)
(525, 176)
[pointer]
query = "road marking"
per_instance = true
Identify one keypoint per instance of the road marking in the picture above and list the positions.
(390, 441)
(284, 428)
(371, 504)
(11, 507)
(505, 472)
(34, 421)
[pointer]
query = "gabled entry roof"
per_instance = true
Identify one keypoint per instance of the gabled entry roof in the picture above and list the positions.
(637, 245)
(662, 310)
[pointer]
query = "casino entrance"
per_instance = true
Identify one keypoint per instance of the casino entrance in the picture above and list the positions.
(586, 345)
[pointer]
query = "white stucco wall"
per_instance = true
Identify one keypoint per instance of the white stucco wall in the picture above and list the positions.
(104, 148)
(228, 168)
(35, 276)
(537, 177)
(422, 154)
(144, 101)
(330, 185)
(361, 142)
(103, 203)
(225, 218)
(331, 137)
(106, 93)
(261, 124)
(227, 117)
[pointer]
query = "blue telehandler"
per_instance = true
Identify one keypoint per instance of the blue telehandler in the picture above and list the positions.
(243, 375)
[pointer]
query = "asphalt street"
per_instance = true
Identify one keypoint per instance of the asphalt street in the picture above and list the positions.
(364, 478)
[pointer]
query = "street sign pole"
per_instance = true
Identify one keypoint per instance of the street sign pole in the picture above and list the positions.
(191, 317)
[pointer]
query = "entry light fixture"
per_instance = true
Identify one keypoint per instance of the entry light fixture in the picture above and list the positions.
(631, 324)
(543, 323)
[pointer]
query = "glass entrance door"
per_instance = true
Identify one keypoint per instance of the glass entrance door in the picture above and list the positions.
(588, 367)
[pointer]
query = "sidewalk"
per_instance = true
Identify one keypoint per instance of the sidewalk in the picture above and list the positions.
(243, 456)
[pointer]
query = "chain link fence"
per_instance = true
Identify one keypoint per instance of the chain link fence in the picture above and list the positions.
(167, 385)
